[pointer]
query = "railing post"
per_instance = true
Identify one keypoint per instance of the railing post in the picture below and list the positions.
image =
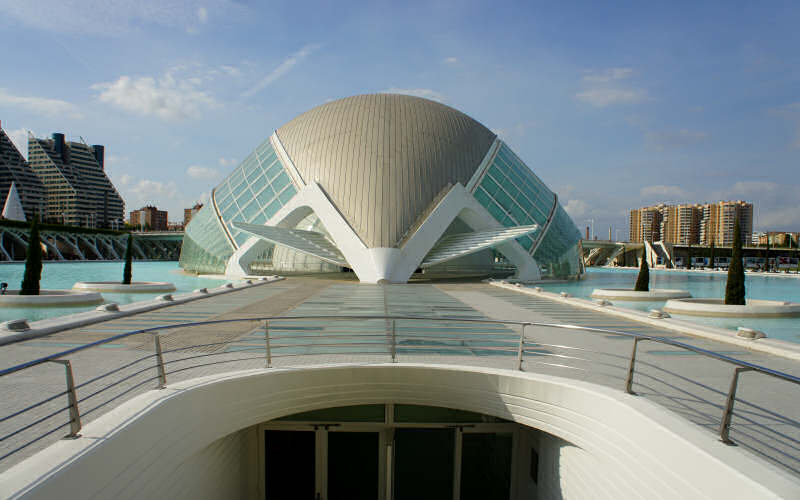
(394, 341)
(162, 372)
(521, 348)
(631, 366)
(72, 399)
(266, 339)
(725, 426)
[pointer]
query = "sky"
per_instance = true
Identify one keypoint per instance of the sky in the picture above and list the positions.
(612, 106)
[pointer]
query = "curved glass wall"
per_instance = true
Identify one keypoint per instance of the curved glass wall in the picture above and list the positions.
(206, 248)
(515, 196)
(255, 191)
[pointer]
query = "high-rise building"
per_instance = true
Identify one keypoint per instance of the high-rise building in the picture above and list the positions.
(681, 223)
(188, 213)
(14, 169)
(692, 224)
(719, 220)
(77, 190)
(645, 224)
(149, 217)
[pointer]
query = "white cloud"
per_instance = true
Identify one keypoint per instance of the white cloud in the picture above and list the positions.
(603, 88)
(167, 98)
(227, 162)
(204, 173)
(660, 193)
(605, 96)
(576, 208)
(202, 15)
(20, 139)
(451, 60)
(608, 75)
(425, 93)
(109, 18)
(282, 69)
(41, 105)
(675, 139)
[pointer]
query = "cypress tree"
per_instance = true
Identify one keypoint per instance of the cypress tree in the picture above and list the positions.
(711, 258)
(734, 288)
(33, 262)
(643, 280)
(689, 256)
(126, 273)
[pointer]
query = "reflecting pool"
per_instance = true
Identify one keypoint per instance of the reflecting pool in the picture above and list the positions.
(62, 275)
(701, 285)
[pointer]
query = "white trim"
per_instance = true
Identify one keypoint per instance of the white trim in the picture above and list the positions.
(287, 162)
(484, 165)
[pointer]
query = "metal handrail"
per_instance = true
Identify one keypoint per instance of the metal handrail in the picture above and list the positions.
(391, 336)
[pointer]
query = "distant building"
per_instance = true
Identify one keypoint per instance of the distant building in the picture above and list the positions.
(691, 224)
(681, 224)
(76, 189)
(188, 213)
(645, 224)
(149, 217)
(719, 220)
(778, 239)
(15, 170)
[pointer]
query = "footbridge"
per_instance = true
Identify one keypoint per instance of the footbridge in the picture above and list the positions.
(606, 252)
(61, 243)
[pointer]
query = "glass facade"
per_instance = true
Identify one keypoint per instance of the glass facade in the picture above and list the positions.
(515, 196)
(253, 193)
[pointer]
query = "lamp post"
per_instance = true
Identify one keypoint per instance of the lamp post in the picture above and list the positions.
(592, 234)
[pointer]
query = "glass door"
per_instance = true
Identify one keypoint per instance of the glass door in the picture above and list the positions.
(353, 465)
(290, 465)
(423, 464)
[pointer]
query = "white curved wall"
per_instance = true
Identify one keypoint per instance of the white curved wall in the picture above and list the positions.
(604, 443)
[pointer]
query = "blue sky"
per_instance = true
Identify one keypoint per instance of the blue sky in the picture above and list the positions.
(612, 106)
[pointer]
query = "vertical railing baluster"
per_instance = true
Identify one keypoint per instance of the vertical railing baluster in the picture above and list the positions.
(725, 425)
(631, 366)
(162, 372)
(72, 400)
(266, 339)
(521, 347)
(394, 341)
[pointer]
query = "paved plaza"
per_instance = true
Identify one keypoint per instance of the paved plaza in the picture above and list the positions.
(765, 420)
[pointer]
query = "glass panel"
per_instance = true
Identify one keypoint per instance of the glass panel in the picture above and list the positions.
(489, 185)
(485, 466)
(353, 465)
(259, 183)
(290, 465)
(287, 195)
(437, 414)
(266, 196)
(280, 181)
(356, 413)
(423, 464)
(272, 209)
(250, 210)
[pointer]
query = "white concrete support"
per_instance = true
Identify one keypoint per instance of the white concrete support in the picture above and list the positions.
(391, 265)
(239, 263)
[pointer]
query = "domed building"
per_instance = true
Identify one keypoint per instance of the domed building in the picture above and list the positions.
(384, 185)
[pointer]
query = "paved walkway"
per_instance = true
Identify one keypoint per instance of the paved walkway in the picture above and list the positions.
(664, 374)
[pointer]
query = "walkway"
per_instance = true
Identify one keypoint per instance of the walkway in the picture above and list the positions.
(663, 374)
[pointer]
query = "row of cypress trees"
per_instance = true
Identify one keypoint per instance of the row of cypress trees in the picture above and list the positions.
(33, 262)
(734, 288)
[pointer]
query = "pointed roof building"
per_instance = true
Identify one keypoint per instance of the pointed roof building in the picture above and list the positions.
(12, 210)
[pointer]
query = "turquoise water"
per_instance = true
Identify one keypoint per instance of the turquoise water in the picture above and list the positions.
(62, 275)
(701, 285)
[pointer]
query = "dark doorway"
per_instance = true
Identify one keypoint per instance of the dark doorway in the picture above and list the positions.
(353, 465)
(289, 457)
(423, 464)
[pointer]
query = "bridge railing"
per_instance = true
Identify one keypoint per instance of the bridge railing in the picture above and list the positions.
(294, 340)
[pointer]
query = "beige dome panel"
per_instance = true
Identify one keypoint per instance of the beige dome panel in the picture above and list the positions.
(383, 158)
